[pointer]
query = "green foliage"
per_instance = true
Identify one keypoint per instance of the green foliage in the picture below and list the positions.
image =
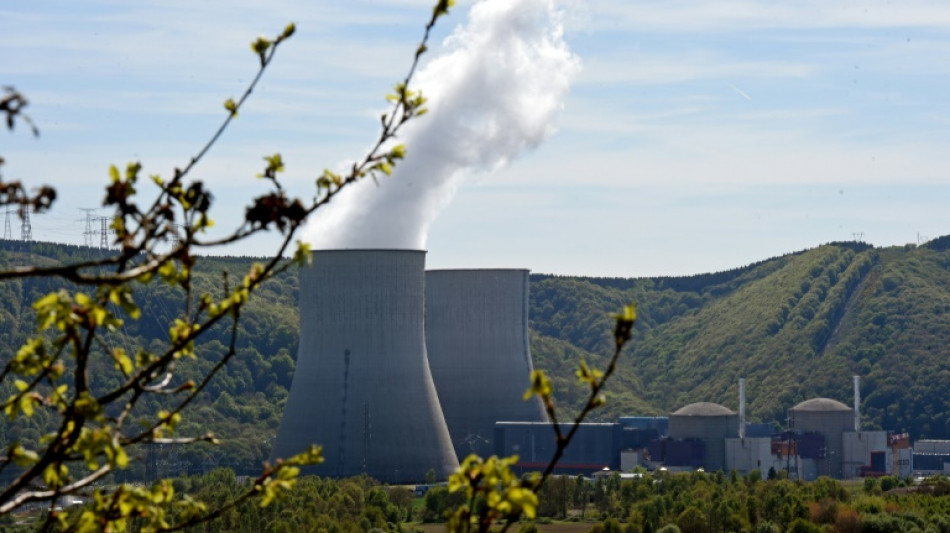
(710, 503)
(439, 502)
(85, 391)
(348, 505)
(795, 326)
(241, 406)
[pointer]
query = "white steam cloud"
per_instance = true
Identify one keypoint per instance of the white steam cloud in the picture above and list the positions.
(492, 96)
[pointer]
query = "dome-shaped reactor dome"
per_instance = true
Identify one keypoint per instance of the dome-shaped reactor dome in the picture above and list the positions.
(704, 409)
(821, 404)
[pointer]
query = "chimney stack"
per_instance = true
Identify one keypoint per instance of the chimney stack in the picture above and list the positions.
(741, 408)
(857, 403)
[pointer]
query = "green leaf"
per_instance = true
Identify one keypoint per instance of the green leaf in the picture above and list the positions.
(303, 255)
(23, 457)
(132, 171)
(231, 106)
(289, 30)
(623, 330)
(122, 361)
(260, 47)
(540, 385)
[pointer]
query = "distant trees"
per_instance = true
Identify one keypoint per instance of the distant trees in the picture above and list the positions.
(692, 502)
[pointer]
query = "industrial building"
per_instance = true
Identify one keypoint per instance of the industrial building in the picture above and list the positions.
(639, 431)
(708, 423)
(477, 342)
(829, 419)
(825, 439)
(362, 387)
(755, 453)
(594, 447)
(931, 457)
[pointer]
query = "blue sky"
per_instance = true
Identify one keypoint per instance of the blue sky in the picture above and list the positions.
(696, 136)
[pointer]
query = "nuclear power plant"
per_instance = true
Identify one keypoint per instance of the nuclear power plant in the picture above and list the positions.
(362, 387)
(479, 354)
(824, 438)
(401, 372)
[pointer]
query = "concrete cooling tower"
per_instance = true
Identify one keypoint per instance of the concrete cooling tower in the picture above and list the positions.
(362, 387)
(477, 341)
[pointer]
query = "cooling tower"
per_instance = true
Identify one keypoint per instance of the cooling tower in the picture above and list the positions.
(362, 387)
(477, 340)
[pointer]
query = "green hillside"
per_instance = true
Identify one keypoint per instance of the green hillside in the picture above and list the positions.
(242, 406)
(795, 327)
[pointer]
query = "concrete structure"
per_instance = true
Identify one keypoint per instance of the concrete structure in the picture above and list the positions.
(660, 424)
(593, 447)
(747, 454)
(688, 454)
(478, 347)
(930, 457)
(829, 418)
(759, 429)
(362, 387)
(903, 462)
(742, 421)
(864, 453)
(630, 459)
(857, 403)
(710, 423)
(932, 446)
(925, 464)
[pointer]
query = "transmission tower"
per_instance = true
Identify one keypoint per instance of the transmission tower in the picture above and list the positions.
(176, 235)
(7, 228)
(104, 232)
(88, 233)
(858, 236)
(26, 229)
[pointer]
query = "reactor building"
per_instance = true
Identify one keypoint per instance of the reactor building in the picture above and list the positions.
(709, 423)
(362, 387)
(479, 354)
(819, 424)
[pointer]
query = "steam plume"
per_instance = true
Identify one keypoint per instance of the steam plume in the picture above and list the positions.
(493, 95)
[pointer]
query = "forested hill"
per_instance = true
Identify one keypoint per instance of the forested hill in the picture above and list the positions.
(242, 405)
(796, 327)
